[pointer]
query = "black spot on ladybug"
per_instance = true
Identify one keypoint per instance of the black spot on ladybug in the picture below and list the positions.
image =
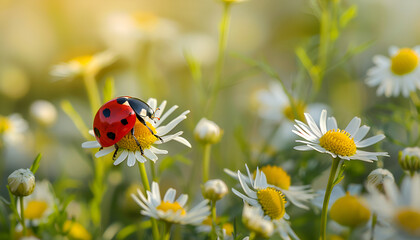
(106, 112)
(121, 100)
(124, 121)
(110, 135)
(97, 133)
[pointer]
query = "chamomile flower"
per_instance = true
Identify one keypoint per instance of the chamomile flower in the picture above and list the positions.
(398, 74)
(40, 204)
(12, 129)
(226, 228)
(127, 146)
(279, 179)
(398, 207)
(269, 200)
(253, 218)
(83, 64)
(328, 138)
(168, 209)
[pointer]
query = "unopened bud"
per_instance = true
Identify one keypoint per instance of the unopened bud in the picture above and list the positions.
(21, 182)
(378, 176)
(409, 159)
(215, 189)
(207, 131)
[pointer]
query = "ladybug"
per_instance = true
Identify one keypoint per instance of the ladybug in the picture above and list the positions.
(117, 117)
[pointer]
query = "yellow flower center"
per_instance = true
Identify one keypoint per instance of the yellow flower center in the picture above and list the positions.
(409, 220)
(405, 61)
(276, 176)
(4, 124)
(300, 110)
(338, 142)
(228, 228)
(83, 60)
(143, 136)
(76, 230)
(349, 211)
(175, 207)
(35, 209)
(146, 21)
(272, 202)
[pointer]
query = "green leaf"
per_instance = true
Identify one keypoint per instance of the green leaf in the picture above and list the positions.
(2, 199)
(109, 89)
(75, 117)
(348, 15)
(127, 231)
(35, 164)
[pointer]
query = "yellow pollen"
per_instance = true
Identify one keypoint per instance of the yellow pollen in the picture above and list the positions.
(143, 135)
(4, 124)
(35, 209)
(272, 202)
(276, 176)
(405, 61)
(338, 142)
(409, 220)
(175, 207)
(83, 60)
(300, 110)
(350, 211)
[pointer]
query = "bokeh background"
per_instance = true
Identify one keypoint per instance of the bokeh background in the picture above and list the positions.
(152, 39)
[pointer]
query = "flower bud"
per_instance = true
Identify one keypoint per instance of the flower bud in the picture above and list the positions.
(350, 211)
(207, 131)
(378, 176)
(253, 219)
(43, 112)
(21, 182)
(409, 159)
(214, 189)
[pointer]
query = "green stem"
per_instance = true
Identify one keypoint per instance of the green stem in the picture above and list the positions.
(374, 219)
(252, 236)
(335, 163)
(206, 161)
(22, 215)
(213, 220)
(166, 231)
(146, 185)
(92, 91)
(153, 170)
(223, 33)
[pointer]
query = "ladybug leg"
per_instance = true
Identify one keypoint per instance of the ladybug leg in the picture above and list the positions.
(144, 123)
(101, 148)
(137, 142)
(115, 152)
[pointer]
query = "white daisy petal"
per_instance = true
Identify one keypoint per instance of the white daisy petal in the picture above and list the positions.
(91, 144)
(121, 158)
(158, 151)
(104, 152)
(361, 133)
(131, 159)
(139, 157)
(370, 141)
(353, 126)
(149, 154)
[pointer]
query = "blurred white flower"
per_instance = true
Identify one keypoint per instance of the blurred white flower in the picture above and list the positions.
(398, 74)
(207, 131)
(214, 189)
(43, 112)
(13, 129)
(40, 204)
(253, 218)
(21, 182)
(378, 176)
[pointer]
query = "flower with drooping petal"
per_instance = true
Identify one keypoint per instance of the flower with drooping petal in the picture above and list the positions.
(328, 138)
(259, 194)
(168, 209)
(398, 74)
(279, 179)
(127, 146)
(400, 208)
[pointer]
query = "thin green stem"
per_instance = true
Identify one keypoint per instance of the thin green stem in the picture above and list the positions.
(146, 185)
(92, 91)
(153, 170)
(223, 34)
(335, 163)
(22, 215)
(372, 229)
(206, 161)
(213, 220)
(166, 231)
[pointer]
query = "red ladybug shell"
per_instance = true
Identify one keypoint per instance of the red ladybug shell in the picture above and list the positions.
(113, 121)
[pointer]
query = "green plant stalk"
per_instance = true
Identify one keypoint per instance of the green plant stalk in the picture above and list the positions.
(330, 186)
(213, 220)
(98, 189)
(206, 161)
(146, 185)
(22, 215)
(153, 170)
(223, 34)
(92, 91)
(166, 231)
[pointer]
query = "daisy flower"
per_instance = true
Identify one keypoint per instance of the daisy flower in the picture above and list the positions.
(127, 146)
(398, 207)
(253, 218)
(398, 74)
(279, 179)
(13, 129)
(269, 200)
(226, 228)
(328, 138)
(169, 209)
(79, 65)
